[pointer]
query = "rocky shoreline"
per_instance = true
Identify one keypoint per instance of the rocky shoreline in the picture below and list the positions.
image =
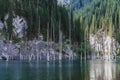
(34, 50)
(103, 45)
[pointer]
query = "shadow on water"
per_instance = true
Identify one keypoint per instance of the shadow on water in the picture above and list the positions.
(60, 70)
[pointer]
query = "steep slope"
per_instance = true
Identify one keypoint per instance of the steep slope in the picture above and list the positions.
(95, 17)
(77, 5)
(103, 19)
(103, 12)
(39, 14)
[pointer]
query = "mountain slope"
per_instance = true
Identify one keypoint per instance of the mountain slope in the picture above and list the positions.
(39, 14)
(102, 14)
(77, 4)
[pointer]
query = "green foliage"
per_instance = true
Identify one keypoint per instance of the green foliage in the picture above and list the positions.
(101, 14)
(87, 33)
(84, 17)
(111, 28)
(47, 10)
(92, 28)
(84, 48)
(16, 40)
(93, 16)
(118, 51)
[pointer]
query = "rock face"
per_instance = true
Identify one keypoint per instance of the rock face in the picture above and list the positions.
(20, 26)
(33, 50)
(69, 53)
(103, 45)
(63, 2)
(29, 50)
(19, 23)
(8, 50)
(1, 25)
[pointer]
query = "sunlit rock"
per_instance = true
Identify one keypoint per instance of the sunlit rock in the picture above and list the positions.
(60, 1)
(1, 25)
(103, 45)
(20, 26)
(63, 2)
(6, 16)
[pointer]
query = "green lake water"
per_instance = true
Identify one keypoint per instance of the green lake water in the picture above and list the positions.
(65, 70)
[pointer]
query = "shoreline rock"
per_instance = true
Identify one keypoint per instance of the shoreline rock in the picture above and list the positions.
(103, 46)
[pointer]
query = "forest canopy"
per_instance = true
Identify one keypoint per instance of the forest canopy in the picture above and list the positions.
(39, 14)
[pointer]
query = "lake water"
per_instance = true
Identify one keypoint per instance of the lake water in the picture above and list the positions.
(66, 70)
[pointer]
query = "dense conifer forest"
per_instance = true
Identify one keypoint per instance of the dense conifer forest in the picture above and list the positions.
(76, 20)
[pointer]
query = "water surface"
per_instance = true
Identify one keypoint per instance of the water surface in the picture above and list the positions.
(65, 70)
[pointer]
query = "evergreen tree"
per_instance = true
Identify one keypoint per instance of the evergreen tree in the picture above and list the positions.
(92, 28)
(111, 29)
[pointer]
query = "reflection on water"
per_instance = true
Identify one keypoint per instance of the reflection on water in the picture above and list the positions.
(63, 70)
(16, 70)
(60, 70)
(102, 70)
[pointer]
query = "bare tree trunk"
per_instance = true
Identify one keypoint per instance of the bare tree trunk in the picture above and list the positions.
(37, 50)
(81, 51)
(54, 41)
(60, 46)
(85, 44)
(60, 43)
(48, 42)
